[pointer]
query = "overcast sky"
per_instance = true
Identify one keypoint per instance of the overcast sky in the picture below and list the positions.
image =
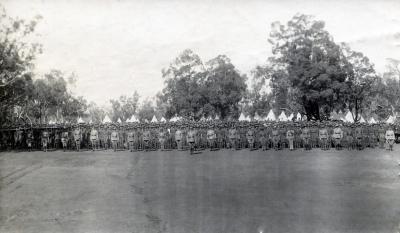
(118, 46)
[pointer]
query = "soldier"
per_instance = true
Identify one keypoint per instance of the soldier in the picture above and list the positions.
(94, 137)
(45, 139)
(338, 135)
(381, 133)
(262, 137)
(372, 137)
(114, 138)
(178, 138)
(232, 134)
(297, 136)
(29, 139)
(162, 138)
(64, 139)
(323, 137)
(350, 138)
(389, 136)
(276, 138)
(250, 138)
(314, 136)
(77, 137)
(211, 138)
(290, 138)
(306, 138)
(146, 139)
(191, 139)
(359, 138)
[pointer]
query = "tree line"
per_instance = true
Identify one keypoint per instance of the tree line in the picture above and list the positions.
(308, 72)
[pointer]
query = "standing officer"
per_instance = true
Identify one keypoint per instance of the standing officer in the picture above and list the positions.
(94, 137)
(338, 135)
(77, 137)
(178, 138)
(276, 138)
(232, 138)
(262, 137)
(359, 138)
(382, 138)
(389, 136)
(323, 137)
(114, 138)
(29, 139)
(250, 138)
(191, 139)
(146, 138)
(64, 139)
(290, 138)
(211, 138)
(306, 138)
(45, 139)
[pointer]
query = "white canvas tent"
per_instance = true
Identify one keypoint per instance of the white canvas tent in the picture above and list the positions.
(257, 117)
(271, 116)
(154, 119)
(119, 120)
(362, 120)
(248, 119)
(202, 118)
(163, 119)
(298, 117)
(290, 117)
(216, 118)
(107, 119)
(242, 117)
(282, 117)
(80, 120)
(390, 120)
(349, 117)
(372, 121)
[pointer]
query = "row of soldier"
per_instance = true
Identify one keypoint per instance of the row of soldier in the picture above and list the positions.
(195, 137)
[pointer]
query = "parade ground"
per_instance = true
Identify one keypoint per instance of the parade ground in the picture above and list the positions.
(213, 192)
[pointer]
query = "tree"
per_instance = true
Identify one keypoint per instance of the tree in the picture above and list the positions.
(361, 79)
(146, 110)
(392, 81)
(124, 107)
(193, 89)
(224, 86)
(184, 81)
(17, 57)
(312, 61)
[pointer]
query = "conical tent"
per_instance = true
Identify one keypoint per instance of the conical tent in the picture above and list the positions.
(349, 117)
(248, 119)
(282, 117)
(128, 120)
(80, 120)
(202, 118)
(257, 117)
(216, 118)
(372, 121)
(298, 117)
(90, 121)
(119, 120)
(242, 117)
(271, 116)
(334, 116)
(362, 120)
(163, 119)
(154, 119)
(107, 120)
(290, 117)
(390, 120)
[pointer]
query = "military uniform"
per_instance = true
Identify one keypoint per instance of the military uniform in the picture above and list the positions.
(250, 138)
(94, 137)
(115, 139)
(29, 140)
(191, 139)
(323, 137)
(276, 138)
(178, 138)
(359, 138)
(306, 138)
(338, 135)
(77, 138)
(45, 139)
(290, 138)
(389, 136)
(211, 138)
(64, 139)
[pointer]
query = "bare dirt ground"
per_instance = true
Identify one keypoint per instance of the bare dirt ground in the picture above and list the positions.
(213, 192)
